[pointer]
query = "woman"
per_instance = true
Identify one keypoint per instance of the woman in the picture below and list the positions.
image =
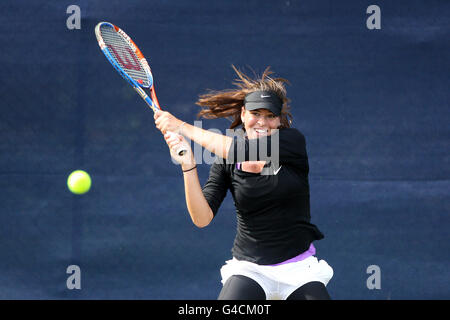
(273, 252)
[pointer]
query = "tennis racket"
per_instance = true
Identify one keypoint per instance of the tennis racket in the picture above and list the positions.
(131, 64)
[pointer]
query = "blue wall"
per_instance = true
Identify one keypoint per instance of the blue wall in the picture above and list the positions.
(373, 105)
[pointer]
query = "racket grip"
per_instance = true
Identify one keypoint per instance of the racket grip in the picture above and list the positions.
(180, 150)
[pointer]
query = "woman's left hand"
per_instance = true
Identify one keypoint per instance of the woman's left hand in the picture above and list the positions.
(166, 122)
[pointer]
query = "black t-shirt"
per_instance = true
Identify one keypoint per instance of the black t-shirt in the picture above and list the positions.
(273, 211)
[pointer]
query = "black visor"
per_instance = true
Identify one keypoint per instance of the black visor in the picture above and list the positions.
(264, 100)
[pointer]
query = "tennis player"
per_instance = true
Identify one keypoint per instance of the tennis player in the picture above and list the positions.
(273, 256)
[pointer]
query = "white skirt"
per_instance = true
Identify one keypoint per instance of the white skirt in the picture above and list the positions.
(278, 282)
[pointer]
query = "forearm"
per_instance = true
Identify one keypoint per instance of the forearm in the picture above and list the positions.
(199, 210)
(216, 143)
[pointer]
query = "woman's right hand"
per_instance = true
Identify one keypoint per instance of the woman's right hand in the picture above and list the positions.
(175, 142)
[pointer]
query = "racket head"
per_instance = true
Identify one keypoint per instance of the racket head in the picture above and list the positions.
(128, 60)
(124, 55)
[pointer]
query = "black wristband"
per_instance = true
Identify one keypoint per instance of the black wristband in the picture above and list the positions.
(190, 169)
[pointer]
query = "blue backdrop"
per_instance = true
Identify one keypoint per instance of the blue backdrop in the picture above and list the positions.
(373, 105)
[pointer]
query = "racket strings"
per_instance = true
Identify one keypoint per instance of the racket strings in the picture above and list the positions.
(121, 51)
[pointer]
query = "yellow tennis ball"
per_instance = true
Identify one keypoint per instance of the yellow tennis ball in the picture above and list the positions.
(79, 182)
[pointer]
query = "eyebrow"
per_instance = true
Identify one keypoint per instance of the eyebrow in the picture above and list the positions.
(266, 112)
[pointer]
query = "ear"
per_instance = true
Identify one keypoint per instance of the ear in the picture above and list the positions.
(243, 114)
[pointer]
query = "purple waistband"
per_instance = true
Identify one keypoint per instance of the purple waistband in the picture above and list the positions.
(302, 256)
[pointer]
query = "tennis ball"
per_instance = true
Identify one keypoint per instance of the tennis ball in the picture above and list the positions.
(79, 182)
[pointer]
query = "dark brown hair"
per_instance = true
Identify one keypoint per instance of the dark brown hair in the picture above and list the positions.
(228, 103)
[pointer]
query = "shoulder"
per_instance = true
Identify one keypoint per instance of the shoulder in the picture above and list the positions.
(292, 136)
(291, 133)
(292, 142)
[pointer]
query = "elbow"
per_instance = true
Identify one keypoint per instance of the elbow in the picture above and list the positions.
(203, 221)
(201, 225)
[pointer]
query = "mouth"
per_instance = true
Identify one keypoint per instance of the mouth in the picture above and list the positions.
(261, 131)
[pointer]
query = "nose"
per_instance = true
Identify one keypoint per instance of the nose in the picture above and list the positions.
(262, 120)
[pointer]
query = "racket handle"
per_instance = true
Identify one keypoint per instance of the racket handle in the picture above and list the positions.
(180, 149)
